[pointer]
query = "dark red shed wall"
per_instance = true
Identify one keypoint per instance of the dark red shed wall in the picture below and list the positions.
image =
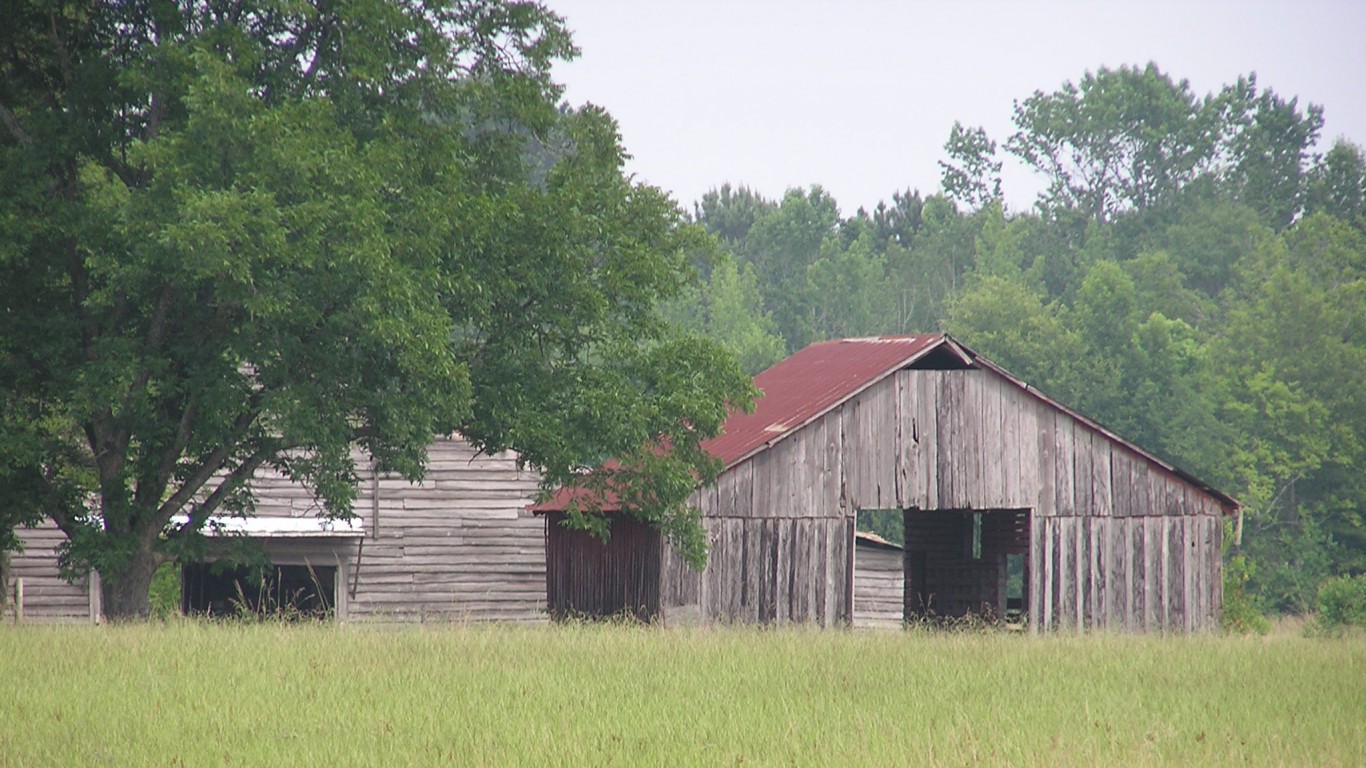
(592, 578)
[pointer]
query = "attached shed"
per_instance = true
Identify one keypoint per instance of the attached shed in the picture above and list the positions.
(458, 545)
(878, 575)
(989, 474)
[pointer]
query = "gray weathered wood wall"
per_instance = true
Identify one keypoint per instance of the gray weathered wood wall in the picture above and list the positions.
(458, 545)
(1115, 539)
(47, 598)
(781, 540)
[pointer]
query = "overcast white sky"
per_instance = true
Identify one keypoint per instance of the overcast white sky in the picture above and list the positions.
(859, 95)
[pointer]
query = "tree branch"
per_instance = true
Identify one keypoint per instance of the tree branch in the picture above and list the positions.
(215, 462)
(231, 483)
(156, 485)
(63, 55)
(12, 123)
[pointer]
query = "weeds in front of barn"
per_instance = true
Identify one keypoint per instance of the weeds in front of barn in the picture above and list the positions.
(218, 693)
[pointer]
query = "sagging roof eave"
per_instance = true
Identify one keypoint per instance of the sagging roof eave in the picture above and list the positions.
(1230, 504)
(944, 341)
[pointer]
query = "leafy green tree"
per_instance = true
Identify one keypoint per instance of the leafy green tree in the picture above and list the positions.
(727, 307)
(1013, 326)
(1207, 239)
(1269, 143)
(781, 245)
(973, 174)
(1118, 140)
(1105, 318)
(926, 276)
(1293, 350)
(848, 291)
(898, 223)
(1161, 287)
(253, 234)
(1337, 185)
(731, 213)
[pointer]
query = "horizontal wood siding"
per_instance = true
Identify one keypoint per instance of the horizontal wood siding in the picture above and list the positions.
(459, 545)
(877, 586)
(47, 597)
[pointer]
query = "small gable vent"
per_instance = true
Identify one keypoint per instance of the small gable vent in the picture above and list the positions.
(945, 357)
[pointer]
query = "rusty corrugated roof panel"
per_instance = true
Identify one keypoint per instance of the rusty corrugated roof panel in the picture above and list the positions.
(795, 391)
(810, 383)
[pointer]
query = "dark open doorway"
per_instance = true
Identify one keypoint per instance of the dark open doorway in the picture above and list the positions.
(297, 591)
(966, 562)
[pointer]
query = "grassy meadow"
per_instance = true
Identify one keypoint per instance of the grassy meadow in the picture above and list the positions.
(187, 693)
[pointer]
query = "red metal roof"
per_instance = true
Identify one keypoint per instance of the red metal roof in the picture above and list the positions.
(811, 382)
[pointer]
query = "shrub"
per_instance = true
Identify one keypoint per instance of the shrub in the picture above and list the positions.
(1342, 603)
(1241, 615)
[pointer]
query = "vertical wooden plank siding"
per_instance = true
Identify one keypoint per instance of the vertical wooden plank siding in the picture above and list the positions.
(586, 576)
(1102, 547)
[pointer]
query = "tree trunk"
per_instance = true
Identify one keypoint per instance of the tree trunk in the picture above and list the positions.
(126, 592)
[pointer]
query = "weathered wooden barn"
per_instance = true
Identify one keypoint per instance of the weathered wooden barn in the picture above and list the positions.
(458, 545)
(991, 477)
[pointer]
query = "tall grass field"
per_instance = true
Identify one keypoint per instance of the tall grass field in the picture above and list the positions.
(192, 694)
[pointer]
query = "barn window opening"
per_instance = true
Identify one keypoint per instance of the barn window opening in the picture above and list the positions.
(1015, 586)
(290, 591)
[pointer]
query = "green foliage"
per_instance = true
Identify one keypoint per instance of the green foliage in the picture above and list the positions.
(1119, 140)
(1241, 615)
(887, 523)
(261, 235)
(164, 595)
(726, 307)
(973, 178)
(1337, 185)
(1269, 142)
(1293, 556)
(1342, 603)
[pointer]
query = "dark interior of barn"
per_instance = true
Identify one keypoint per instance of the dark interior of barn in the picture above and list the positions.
(292, 591)
(966, 562)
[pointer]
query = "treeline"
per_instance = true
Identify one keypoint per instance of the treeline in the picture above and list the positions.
(1193, 276)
